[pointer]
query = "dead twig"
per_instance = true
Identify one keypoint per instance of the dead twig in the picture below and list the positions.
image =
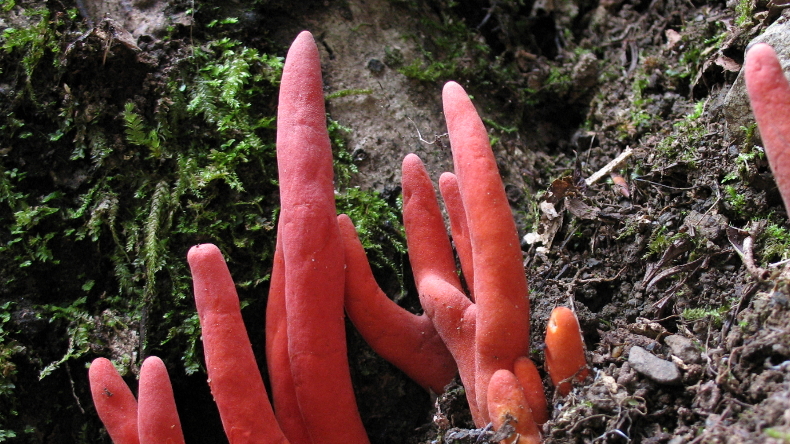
(743, 242)
(609, 166)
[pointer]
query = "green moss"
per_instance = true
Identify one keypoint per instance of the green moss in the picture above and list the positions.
(33, 42)
(687, 134)
(378, 226)
(697, 45)
(103, 208)
(775, 244)
(349, 92)
(714, 315)
(660, 241)
(9, 349)
(743, 12)
(451, 42)
(735, 199)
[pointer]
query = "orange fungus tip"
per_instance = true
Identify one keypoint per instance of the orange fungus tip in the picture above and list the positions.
(565, 357)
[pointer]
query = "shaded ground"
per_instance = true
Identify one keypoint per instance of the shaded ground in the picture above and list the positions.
(565, 88)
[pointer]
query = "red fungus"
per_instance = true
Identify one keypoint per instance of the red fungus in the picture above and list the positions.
(313, 254)
(438, 285)
(451, 194)
(114, 402)
(769, 94)
(157, 417)
(507, 404)
(286, 407)
(565, 358)
(529, 378)
(500, 284)
(236, 383)
(408, 341)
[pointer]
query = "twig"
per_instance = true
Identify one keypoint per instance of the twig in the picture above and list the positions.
(609, 166)
(743, 242)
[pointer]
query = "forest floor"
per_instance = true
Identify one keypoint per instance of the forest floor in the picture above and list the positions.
(651, 255)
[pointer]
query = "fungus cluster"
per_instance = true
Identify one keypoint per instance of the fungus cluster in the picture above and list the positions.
(321, 273)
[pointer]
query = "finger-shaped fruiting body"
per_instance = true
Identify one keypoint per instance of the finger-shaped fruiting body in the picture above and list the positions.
(157, 417)
(313, 253)
(286, 406)
(451, 194)
(408, 341)
(114, 402)
(500, 285)
(430, 251)
(769, 95)
(507, 403)
(565, 358)
(529, 379)
(233, 374)
(438, 285)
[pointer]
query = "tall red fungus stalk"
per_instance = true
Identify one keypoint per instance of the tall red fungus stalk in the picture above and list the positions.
(408, 341)
(500, 285)
(491, 333)
(487, 332)
(286, 407)
(313, 257)
(236, 383)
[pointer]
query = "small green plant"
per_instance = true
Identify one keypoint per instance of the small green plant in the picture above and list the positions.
(743, 12)
(735, 199)
(30, 42)
(137, 134)
(714, 315)
(80, 326)
(188, 328)
(776, 433)
(342, 158)
(452, 41)
(686, 135)
(696, 48)
(349, 92)
(29, 242)
(658, 243)
(775, 244)
(8, 369)
(742, 163)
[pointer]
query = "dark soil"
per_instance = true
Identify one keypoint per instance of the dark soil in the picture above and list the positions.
(656, 262)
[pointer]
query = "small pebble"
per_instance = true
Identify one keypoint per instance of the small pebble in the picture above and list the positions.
(657, 369)
(684, 348)
(375, 65)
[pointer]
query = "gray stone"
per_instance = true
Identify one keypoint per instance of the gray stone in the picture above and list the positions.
(737, 111)
(684, 348)
(657, 369)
